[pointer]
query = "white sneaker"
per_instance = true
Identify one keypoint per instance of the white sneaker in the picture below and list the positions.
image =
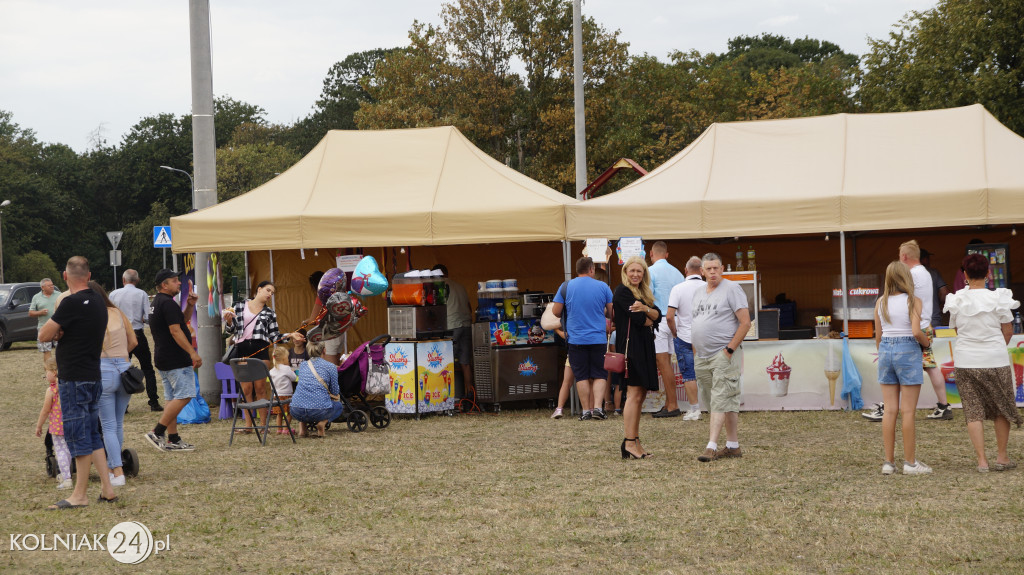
(888, 468)
(917, 468)
(557, 414)
(66, 484)
(692, 415)
(875, 414)
(116, 480)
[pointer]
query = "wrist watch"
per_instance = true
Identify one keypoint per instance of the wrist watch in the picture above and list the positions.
(730, 350)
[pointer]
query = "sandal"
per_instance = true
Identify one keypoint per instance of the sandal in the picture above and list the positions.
(1003, 466)
(64, 504)
(103, 499)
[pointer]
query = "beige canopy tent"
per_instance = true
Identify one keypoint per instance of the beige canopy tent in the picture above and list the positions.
(375, 189)
(416, 187)
(844, 172)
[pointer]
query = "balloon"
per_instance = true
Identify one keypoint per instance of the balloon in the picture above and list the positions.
(367, 279)
(334, 280)
(343, 311)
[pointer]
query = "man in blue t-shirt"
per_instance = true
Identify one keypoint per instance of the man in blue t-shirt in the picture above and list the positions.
(589, 303)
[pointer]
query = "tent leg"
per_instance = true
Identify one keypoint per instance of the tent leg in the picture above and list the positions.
(566, 257)
(270, 253)
(842, 271)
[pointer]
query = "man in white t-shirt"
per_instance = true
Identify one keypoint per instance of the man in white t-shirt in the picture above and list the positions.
(678, 319)
(720, 322)
(910, 256)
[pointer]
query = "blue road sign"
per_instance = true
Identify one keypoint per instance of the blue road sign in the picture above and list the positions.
(161, 236)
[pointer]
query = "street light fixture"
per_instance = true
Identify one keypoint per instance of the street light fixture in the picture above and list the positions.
(190, 180)
(3, 204)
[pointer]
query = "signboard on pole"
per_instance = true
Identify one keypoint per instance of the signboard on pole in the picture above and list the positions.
(115, 238)
(115, 258)
(161, 236)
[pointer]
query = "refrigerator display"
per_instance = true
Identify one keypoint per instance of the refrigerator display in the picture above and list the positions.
(998, 256)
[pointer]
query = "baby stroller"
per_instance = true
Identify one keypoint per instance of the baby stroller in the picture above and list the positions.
(366, 361)
(129, 459)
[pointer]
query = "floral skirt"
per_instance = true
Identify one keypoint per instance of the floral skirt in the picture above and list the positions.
(987, 392)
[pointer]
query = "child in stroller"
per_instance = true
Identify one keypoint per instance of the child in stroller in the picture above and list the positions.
(366, 362)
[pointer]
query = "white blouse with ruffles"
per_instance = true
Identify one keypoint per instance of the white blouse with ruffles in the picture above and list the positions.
(978, 315)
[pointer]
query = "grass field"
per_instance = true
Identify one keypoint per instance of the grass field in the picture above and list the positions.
(521, 493)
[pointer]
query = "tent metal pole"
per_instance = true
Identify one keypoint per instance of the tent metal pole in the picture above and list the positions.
(566, 251)
(273, 302)
(846, 292)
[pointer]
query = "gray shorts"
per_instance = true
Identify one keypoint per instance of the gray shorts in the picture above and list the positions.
(718, 378)
(333, 346)
(179, 383)
(45, 346)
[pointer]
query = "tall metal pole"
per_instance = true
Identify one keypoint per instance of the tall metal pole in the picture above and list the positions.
(3, 205)
(204, 154)
(842, 283)
(577, 80)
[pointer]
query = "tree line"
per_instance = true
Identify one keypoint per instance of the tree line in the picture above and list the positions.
(501, 72)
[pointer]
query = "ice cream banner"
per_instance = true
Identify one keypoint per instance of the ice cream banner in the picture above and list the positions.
(401, 359)
(435, 374)
(802, 374)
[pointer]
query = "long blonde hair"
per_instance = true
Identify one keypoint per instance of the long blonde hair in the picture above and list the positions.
(644, 292)
(897, 281)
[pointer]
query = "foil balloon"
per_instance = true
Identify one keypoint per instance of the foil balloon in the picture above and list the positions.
(333, 281)
(339, 305)
(367, 279)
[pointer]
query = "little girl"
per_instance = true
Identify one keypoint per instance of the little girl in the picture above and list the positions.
(282, 376)
(51, 409)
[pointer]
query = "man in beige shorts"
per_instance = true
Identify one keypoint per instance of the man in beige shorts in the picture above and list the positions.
(719, 323)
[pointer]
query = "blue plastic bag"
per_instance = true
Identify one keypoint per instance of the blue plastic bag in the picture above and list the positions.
(196, 411)
(851, 378)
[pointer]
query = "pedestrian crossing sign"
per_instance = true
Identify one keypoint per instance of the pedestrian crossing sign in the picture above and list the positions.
(161, 236)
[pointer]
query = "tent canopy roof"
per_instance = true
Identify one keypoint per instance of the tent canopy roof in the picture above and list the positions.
(356, 188)
(848, 172)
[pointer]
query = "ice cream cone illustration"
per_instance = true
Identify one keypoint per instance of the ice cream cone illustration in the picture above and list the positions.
(779, 372)
(832, 371)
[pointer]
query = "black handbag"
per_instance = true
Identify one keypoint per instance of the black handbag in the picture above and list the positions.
(133, 380)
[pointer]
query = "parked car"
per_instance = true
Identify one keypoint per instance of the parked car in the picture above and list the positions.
(15, 323)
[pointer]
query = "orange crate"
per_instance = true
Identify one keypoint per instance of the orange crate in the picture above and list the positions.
(862, 329)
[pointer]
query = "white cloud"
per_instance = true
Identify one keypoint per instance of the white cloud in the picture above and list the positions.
(779, 21)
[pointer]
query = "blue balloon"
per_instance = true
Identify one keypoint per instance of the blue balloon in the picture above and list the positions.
(367, 279)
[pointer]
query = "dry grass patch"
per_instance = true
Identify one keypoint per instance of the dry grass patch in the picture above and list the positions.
(521, 493)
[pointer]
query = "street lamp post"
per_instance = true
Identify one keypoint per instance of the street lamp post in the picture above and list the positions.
(3, 204)
(193, 184)
(190, 181)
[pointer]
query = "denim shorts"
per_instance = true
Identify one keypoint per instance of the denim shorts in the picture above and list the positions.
(899, 361)
(179, 383)
(684, 356)
(80, 407)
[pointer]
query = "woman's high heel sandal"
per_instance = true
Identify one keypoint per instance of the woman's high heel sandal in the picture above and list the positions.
(626, 454)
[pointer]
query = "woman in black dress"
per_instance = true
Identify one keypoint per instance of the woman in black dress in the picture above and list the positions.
(636, 316)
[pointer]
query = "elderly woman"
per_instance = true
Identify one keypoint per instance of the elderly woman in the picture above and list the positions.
(635, 319)
(983, 374)
(317, 397)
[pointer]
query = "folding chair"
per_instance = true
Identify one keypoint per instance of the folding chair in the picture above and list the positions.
(250, 369)
(228, 389)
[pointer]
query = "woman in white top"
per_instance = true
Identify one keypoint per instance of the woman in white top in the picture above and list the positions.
(983, 374)
(118, 341)
(899, 340)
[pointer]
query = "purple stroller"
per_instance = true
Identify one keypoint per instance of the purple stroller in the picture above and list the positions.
(366, 362)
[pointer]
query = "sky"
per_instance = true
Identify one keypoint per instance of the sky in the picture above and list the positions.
(71, 70)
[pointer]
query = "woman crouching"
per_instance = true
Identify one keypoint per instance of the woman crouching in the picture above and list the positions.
(317, 398)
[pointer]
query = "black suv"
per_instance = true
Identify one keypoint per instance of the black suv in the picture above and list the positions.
(15, 323)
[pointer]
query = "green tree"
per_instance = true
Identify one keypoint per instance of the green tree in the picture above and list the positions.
(961, 52)
(339, 100)
(32, 267)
